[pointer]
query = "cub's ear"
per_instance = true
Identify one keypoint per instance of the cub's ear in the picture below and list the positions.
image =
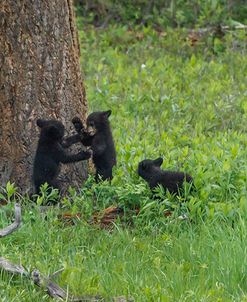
(107, 113)
(40, 123)
(158, 161)
(143, 165)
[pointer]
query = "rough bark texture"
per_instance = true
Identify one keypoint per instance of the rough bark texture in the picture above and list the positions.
(40, 78)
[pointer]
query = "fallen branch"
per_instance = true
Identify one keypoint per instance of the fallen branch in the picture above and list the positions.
(15, 225)
(55, 291)
(56, 273)
(12, 268)
(52, 289)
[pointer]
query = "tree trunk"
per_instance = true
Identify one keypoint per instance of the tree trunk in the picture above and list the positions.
(40, 78)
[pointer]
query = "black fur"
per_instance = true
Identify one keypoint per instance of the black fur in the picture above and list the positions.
(50, 153)
(172, 181)
(99, 137)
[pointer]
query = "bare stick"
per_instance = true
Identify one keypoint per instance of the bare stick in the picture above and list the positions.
(11, 267)
(52, 289)
(55, 291)
(56, 273)
(15, 225)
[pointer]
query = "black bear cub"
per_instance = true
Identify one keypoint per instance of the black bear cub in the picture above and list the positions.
(98, 136)
(50, 153)
(172, 181)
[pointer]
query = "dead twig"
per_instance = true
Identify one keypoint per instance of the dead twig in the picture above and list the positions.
(12, 268)
(56, 273)
(15, 225)
(52, 289)
(55, 291)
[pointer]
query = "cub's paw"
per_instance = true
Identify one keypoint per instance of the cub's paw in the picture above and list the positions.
(77, 124)
(87, 154)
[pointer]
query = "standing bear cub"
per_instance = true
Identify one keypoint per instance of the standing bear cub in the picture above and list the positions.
(50, 153)
(172, 181)
(98, 136)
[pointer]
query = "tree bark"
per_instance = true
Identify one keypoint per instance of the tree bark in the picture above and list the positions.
(40, 78)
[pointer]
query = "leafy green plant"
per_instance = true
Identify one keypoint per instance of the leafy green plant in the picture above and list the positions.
(47, 195)
(8, 192)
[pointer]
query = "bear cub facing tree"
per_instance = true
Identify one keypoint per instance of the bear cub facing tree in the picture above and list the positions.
(172, 181)
(98, 136)
(50, 153)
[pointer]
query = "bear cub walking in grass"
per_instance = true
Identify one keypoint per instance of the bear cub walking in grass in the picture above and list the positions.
(172, 181)
(98, 136)
(50, 153)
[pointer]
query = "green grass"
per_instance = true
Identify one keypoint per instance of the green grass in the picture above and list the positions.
(168, 99)
(184, 262)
